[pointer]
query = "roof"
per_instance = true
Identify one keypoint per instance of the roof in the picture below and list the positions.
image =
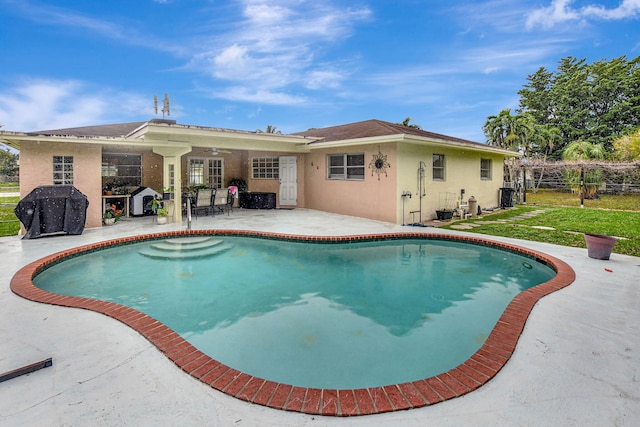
(373, 128)
(165, 133)
(110, 131)
(150, 132)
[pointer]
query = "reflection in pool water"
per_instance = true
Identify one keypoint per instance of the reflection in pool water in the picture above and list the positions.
(326, 315)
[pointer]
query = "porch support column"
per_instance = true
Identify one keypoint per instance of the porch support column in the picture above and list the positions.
(172, 174)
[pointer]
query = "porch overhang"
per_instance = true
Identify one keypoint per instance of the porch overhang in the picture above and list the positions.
(156, 133)
(163, 134)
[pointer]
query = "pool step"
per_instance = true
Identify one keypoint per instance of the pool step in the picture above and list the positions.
(185, 248)
(183, 245)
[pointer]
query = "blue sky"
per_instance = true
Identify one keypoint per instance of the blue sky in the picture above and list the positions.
(293, 64)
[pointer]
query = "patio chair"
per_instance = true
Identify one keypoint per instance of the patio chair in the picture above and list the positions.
(223, 201)
(204, 201)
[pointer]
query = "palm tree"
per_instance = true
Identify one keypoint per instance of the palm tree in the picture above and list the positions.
(272, 129)
(511, 133)
(587, 182)
(499, 129)
(406, 122)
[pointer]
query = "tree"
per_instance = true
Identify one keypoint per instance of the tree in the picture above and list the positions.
(272, 129)
(544, 140)
(587, 102)
(586, 182)
(8, 163)
(627, 147)
(511, 133)
(499, 130)
(535, 98)
(406, 122)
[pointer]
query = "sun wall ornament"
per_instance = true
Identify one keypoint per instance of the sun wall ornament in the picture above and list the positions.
(379, 164)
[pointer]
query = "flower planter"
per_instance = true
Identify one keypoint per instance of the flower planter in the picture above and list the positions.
(599, 246)
(109, 221)
(162, 220)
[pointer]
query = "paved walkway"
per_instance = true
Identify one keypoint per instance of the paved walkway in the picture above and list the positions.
(577, 362)
(479, 222)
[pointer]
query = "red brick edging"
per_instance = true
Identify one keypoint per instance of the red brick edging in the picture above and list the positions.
(464, 378)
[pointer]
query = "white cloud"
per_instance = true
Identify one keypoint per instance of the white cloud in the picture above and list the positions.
(627, 9)
(320, 79)
(40, 104)
(560, 11)
(64, 17)
(275, 45)
(259, 96)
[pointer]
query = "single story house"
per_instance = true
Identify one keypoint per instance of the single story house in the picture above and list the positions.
(372, 169)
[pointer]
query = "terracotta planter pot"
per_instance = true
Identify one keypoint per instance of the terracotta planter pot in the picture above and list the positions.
(598, 246)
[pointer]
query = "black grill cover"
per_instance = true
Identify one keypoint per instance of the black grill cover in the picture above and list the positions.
(53, 209)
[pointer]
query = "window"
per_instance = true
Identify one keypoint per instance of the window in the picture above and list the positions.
(172, 176)
(438, 167)
(216, 173)
(206, 172)
(485, 169)
(125, 169)
(346, 166)
(265, 168)
(63, 170)
(196, 171)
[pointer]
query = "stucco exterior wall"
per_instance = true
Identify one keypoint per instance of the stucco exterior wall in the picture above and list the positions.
(237, 164)
(462, 171)
(273, 185)
(36, 168)
(371, 198)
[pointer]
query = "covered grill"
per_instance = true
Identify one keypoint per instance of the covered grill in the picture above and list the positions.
(52, 209)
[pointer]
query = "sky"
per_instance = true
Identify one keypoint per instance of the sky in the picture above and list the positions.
(292, 64)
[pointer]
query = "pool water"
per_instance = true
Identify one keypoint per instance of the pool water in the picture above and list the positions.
(323, 315)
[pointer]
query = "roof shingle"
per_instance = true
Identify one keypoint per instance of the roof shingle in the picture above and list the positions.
(110, 131)
(373, 128)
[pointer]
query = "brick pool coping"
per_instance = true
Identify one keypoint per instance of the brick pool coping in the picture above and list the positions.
(466, 377)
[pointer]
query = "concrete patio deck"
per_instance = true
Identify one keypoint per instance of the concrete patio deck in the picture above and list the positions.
(577, 361)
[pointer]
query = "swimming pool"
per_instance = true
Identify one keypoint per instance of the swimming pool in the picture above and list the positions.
(365, 263)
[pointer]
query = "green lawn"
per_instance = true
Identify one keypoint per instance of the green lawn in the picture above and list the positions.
(570, 223)
(9, 187)
(604, 201)
(9, 224)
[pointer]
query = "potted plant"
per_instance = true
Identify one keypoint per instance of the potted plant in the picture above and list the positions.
(111, 215)
(107, 190)
(599, 246)
(162, 215)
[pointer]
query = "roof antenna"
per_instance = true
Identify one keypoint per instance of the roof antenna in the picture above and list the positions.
(166, 108)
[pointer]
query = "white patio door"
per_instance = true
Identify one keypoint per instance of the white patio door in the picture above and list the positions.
(288, 171)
